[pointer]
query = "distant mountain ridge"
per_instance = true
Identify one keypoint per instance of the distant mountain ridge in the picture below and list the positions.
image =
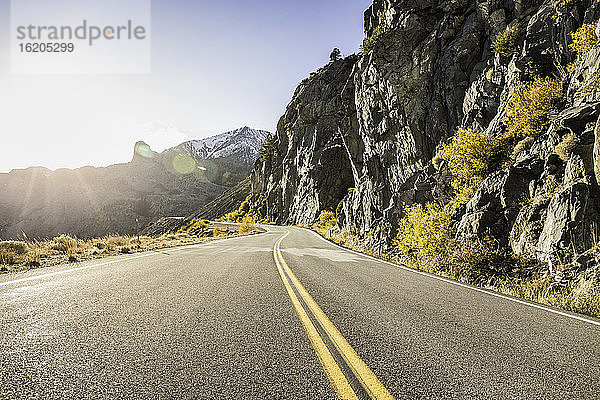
(90, 202)
(227, 157)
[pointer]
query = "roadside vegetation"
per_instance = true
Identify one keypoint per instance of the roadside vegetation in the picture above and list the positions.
(475, 262)
(244, 216)
(239, 214)
(23, 255)
(247, 225)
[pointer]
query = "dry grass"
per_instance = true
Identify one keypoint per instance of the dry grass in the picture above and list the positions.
(11, 251)
(566, 146)
(583, 298)
(522, 146)
(20, 256)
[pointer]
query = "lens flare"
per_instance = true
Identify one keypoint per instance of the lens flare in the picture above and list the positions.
(184, 164)
(143, 150)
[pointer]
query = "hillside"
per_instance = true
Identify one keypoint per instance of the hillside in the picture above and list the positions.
(91, 202)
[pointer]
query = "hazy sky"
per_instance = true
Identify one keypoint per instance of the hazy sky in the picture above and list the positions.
(216, 66)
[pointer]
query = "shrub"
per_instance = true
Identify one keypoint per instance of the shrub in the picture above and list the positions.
(247, 224)
(562, 4)
(593, 86)
(426, 240)
(201, 223)
(369, 42)
(64, 243)
(470, 156)
(11, 251)
(584, 38)
(478, 261)
(505, 41)
(566, 146)
(424, 231)
(238, 215)
(194, 225)
(327, 219)
(526, 113)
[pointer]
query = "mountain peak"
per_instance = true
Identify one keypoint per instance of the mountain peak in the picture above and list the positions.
(242, 143)
(142, 151)
(226, 158)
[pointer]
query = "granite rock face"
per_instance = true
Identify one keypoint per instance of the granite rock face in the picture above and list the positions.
(364, 130)
(310, 169)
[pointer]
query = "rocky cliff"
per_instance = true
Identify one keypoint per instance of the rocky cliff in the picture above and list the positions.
(363, 130)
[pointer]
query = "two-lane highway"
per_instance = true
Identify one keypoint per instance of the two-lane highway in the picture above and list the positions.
(280, 315)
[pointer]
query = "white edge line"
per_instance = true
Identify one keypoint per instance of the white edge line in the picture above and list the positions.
(441, 278)
(149, 253)
(30, 278)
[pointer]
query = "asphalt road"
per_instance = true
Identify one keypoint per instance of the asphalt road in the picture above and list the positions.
(234, 319)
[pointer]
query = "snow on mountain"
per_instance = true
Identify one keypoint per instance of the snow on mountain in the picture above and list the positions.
(242, 144)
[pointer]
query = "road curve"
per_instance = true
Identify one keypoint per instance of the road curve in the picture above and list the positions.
(274, 317)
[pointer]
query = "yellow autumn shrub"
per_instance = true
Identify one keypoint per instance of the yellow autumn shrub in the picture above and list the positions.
(470, 156)
(584, 38)
(424, 231)
(527, 111)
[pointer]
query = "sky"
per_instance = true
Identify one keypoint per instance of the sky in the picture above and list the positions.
(215, 66)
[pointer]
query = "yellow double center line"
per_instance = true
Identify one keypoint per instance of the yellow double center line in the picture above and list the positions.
(359, 369)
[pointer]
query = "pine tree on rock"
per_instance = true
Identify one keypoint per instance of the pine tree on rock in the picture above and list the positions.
(335, 55)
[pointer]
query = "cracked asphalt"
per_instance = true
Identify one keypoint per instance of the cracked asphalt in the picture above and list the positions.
(214, 321)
